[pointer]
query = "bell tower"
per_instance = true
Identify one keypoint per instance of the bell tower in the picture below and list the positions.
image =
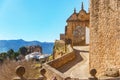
(75, 30)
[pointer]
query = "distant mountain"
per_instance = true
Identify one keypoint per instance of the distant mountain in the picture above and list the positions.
(5, 45)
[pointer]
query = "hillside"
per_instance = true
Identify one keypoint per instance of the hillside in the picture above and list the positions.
(5, 45)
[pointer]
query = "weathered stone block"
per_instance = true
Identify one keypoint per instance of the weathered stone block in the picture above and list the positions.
(112, 72)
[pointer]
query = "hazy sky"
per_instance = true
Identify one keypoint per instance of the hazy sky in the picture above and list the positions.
(41, 20)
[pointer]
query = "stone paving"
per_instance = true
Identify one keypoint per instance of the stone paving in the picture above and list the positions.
(78, 68)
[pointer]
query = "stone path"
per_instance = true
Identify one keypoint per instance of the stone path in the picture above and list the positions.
(78, 68)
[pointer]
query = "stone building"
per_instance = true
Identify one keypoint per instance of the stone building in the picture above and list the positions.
(75, 31)
(31, 49)
(104, 35)
(62, 37)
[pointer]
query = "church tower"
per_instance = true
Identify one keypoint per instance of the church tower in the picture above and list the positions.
(75, 30)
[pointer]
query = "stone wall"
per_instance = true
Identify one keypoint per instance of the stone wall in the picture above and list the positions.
(62, 60)
(52, 72)
(104, 35)
(59, 49)
(51, 67)
(79, 36)
(62, 37)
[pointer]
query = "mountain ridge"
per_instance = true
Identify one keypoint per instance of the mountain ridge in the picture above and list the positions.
(5, 45)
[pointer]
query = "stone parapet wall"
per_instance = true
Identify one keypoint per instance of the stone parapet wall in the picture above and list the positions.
(51, 67)
(104, 35)
(62, 60)
(52, 72)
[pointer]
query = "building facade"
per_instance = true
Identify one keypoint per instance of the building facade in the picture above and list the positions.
(75, 30)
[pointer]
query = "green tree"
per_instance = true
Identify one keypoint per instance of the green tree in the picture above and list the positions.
(10, 54)
(4, 55)
(23, 51)
(16, 54)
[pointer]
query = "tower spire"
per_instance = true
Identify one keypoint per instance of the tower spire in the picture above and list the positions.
(74, 10)
(82, 6)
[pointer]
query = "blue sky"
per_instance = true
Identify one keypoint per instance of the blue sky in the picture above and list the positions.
(41, 20)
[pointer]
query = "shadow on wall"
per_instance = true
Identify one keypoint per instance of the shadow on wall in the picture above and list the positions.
(70, 64)
(84, 51)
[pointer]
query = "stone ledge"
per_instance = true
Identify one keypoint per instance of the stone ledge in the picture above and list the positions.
(62, 60)
(51, 66)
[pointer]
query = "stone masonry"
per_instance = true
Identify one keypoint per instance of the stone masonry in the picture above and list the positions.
(75, 28)
(59, 49)
(62, 37)
(104, 35)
